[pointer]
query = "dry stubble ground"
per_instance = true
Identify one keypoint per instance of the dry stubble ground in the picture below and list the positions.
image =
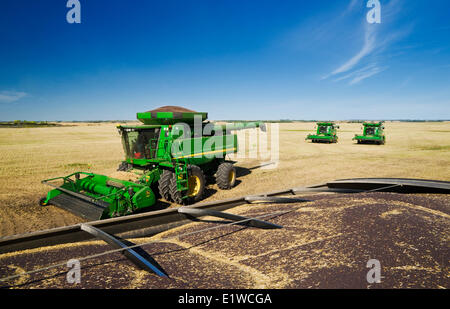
(324, 243)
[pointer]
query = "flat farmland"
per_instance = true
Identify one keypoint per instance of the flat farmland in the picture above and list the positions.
(30, 155)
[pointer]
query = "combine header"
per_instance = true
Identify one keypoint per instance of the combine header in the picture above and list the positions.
(372, 134)
(171, 152)
(326, 133)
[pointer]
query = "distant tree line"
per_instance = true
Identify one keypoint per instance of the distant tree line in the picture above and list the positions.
(26, 124)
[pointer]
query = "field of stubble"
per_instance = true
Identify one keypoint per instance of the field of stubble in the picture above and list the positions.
(29, 155)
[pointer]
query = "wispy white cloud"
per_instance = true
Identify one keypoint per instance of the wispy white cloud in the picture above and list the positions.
(368, 47)
(11, 96)
(352, 5)
(376, 39)
(357, 76)
(322, 29)
(354, 73)
(361, 76)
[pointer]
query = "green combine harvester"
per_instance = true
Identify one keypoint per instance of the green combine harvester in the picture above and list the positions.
(326, 133)
(373, 133)
(172, 152)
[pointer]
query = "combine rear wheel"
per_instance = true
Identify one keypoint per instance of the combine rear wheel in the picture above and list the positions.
(164, 184)
(196, 187)
(226, 176)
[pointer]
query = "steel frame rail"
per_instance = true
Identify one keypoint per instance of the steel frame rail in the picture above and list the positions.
(151, 223)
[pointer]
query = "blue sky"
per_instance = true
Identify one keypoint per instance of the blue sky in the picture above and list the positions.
(234, 59)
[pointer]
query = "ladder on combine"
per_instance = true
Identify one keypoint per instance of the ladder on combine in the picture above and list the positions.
(181, 175)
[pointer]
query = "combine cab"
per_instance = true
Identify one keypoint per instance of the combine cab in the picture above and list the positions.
(171, 153)
(372, 134)
(326, 133)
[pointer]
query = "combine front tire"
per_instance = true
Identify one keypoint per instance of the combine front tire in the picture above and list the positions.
(226, 176)
(196, 187)
(164, 184)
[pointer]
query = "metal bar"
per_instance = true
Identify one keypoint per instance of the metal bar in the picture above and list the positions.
(65, 177)
(273, 199)
(401, 185)
(130, 253)
(325, 189)
(220, 214)
(150, 223)
(137, 225)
